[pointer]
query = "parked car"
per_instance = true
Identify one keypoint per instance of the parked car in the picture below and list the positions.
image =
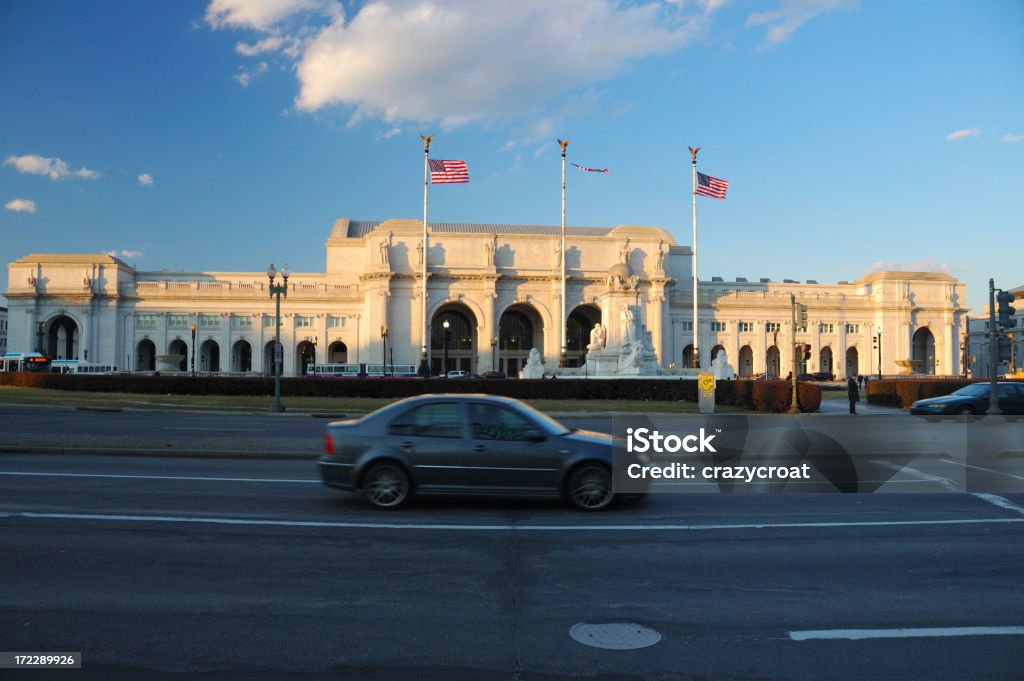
(458, 444)
(973, 399)
(455, 373)
(493, 374)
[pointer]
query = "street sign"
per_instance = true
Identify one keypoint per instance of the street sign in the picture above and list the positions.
(706, 393)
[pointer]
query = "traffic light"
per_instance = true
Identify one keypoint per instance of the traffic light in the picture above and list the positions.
(802, 314)
(874, 342)
(1005, 352)
(807, 351)
(1004, 298)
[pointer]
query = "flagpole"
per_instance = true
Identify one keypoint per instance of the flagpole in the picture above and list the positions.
(564, 324)
(425, 329)
(696, 351)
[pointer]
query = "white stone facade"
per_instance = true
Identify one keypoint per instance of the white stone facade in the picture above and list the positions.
(499, 286)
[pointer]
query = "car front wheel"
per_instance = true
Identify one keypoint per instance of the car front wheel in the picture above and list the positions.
(966, 410)
(386, 485)
(590, 487)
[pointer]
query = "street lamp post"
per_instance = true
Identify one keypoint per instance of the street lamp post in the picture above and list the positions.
(312, 362)
(193, 350)
(276, 290)
(384, 349)
(444, 367)
(39, 336)
(494, 354)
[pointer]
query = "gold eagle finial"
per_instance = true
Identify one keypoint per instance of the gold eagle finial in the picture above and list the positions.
(426, 141)
(693, 153)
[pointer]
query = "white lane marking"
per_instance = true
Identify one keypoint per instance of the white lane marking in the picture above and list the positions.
(488, 528)
(1001, 502)
(938, 479)
(923, 632)
(152, 477)
(225, 430)
(988, 470)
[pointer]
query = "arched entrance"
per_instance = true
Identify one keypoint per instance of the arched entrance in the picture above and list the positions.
(581, 322)
(179, 347)
(146, 354)
(62, 338)
(517, 334)
(305, 354)
(717, 349)
(923, 349)
(687, 357)
(746, 367)
(459, 338)
(241, 357)
(268, 359)
(337, 353)
(774, 367)
(209, 356)
(825, 360)
(852, 362)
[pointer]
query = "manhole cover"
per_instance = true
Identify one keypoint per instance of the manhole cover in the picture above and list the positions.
(615, 635)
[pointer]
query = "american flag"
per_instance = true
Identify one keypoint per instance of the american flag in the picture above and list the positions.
(591, 170)
(448, 172)
(711, 186)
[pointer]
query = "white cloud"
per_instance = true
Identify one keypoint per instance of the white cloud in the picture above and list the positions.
(52, 167)
(478, 60)
(260, 15)
(247, 75)
(270, 44)
(1012, 138)
(928, 264)
(21, 206)
(963, 134)
(146, 180)
(131, 254)
(791, 15)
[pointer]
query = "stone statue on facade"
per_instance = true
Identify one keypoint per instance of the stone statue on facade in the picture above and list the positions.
(384, 255)
(489, 250)
(419, 251)
(659, 258)
(597, 337)
(627, 325)
(625, 252)
(558, 254)
(534, 367)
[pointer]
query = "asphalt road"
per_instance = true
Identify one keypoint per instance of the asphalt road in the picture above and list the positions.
(170, 568)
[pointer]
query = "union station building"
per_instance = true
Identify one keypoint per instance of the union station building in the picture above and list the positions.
(498, 287)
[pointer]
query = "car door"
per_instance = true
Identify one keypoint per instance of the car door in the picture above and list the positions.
(519, 455)
(1011, 401)
(432, 435)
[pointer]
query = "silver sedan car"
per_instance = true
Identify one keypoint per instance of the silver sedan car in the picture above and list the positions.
(466, 444)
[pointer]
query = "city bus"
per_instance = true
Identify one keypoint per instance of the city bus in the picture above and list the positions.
(74, 366)
(360, 370)
(25, 361)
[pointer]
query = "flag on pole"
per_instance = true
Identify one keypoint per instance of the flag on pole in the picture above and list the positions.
(592, 170)
(711, 186)
(448, 172)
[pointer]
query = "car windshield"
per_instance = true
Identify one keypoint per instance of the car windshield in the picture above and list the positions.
(549, 424)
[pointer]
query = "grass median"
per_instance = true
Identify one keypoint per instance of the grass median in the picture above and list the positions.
(329, 405)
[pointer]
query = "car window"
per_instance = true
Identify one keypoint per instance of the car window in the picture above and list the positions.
(493, 422)
(429, 420)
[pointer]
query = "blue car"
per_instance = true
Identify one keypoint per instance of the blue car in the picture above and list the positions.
(973, 399)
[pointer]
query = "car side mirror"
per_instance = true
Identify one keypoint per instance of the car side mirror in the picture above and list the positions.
(533, 436)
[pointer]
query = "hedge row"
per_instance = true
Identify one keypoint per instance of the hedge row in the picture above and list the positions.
(905, 391)
(768, 396)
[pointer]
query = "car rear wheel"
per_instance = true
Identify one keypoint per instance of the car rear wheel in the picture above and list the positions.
(965, 410)
(386, 485)
(590, 487)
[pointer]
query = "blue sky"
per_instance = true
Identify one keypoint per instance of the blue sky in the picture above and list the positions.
(225, 134)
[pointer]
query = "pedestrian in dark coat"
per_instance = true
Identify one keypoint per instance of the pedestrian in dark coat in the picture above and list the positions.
(853, 393)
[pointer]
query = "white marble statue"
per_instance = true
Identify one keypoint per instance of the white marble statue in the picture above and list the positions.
(534, 367)
(597, 337)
